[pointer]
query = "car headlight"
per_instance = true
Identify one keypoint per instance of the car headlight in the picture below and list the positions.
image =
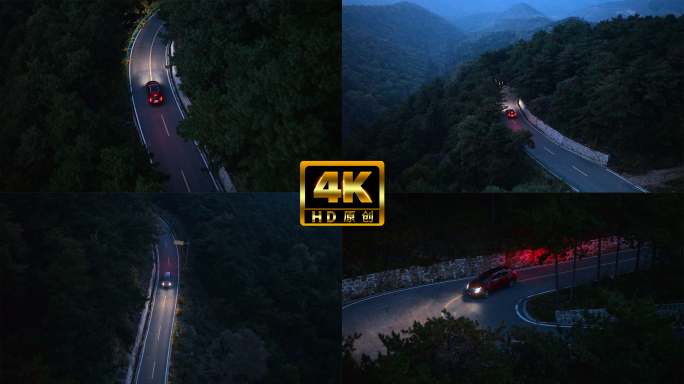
(477, 290)
(467, 286)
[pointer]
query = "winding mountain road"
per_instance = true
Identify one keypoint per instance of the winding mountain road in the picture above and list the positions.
(156, 351)
(182, 160)
(397, 310)
(581, 174)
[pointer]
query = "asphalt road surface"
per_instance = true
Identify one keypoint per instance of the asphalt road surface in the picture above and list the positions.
(398, 310)
(582, 174)
(177, 158)
(153, 366)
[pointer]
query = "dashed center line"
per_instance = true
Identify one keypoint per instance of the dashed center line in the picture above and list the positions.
(579, 171)
(167, 130)
(152, 45)
(153, 363)
(164, 303)
(186, 181)
(551, 152)
(159, 332)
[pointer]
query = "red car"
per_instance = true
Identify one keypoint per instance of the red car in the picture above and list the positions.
(167, 280)
(154, 93)
(491, 280)
(510, 113)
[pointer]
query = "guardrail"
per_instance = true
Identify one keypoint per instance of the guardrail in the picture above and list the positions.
(556, 137)
(144, 321)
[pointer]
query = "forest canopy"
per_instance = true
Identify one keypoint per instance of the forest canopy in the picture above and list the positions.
(264, 80)
(615, 88)
(424, 229)
(387, 53)
(75, 270)
(66, 115)
(253, 266)
(74, 276)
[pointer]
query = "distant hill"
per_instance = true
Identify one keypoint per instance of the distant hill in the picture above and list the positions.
(388, 51)
(377, 74)
(520, 17)
(405, 24)
(451, 9)
(476, 43)
(630, 7)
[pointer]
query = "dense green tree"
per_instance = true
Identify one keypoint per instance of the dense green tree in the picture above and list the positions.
(615, 86)
(265, 88)
(538, 356)
(423, 229)
(634, 344)
(440, 139)
(237, 357)
(66, 115)
(70, 275)
(444, 348)
(255, 268)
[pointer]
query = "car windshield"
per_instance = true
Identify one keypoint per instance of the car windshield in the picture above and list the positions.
(154, 88)
(484, 278)
(167, 278)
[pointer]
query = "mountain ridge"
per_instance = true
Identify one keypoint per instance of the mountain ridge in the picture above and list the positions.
(520, 16)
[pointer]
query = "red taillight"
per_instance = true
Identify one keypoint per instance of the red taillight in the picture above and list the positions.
(150, 99)
(160, 98)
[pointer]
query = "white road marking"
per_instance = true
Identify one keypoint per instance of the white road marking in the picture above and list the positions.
(153, 364)
(349, 304)
(167, 130)
(579, 171)
(186, 181)
(159, 332)
(152, 45)
(549, 151)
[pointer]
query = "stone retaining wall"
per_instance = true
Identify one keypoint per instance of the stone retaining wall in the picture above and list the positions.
(375, 283)
(572, 316)
(563, 141)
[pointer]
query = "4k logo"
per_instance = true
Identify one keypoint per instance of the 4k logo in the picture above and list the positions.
(342, 192)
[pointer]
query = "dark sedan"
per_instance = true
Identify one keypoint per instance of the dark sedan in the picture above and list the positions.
(154, 93)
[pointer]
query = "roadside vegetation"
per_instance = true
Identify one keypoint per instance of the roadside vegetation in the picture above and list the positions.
(264, 81)
(74, 275)
(614, 87)
(639, 347)
(424, 229)
(66, 114)
(260, 294)
(665, 288)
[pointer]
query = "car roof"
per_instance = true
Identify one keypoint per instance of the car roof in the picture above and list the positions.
(497, 269)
